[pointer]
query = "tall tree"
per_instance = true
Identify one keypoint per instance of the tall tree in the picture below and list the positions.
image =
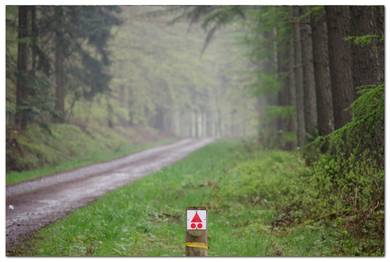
(292, 123)
(22, 69)
(310, 103)
(379, 48)
(340, 62)
(282, 67)
(364, 71)
(298, 70)
(321, 73)
(79, 47)
(59, 64)
(365, 44)
(34, 39)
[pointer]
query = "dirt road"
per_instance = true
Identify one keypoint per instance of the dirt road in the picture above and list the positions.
(40, 202)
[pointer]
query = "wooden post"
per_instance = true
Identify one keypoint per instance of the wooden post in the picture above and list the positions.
(196, 232)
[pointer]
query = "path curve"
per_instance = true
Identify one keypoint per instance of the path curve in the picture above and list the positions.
(41, 202)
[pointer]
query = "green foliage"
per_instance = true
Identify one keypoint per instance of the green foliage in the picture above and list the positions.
(262, 179)
(364, 134)
(365, 40)
(345, 194)
(281, 112)
(212, 18)
(266, 84)
(81, 33)
(348, 176)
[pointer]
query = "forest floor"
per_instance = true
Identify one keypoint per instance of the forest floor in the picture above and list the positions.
(147, 217)
(39, 202)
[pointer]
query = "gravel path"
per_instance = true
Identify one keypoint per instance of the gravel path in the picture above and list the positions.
(42, 201)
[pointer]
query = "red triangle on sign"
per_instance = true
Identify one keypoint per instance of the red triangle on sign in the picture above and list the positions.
(196, 218)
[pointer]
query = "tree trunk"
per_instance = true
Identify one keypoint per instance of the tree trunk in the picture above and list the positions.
(379, 48)
(34, 40)
(298, 71)
(204, 124)
(200, 124)
(322, 74)
(270, 70)
(310, 103)
(193, 123)
(364, 69)
(340, 63)
(22, 74)
(110, 114)
(130, 106)
(292, 123)
(59, 67)
(283, 94)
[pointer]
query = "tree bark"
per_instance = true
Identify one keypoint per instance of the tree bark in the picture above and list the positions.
(309, 85)
(364, 66)
(59, 67)
(269, 70)
(34, 40)
(292, 123)
(110, 114)
(340, 63)
(22, 74)
(298, 75)
(322, 74)
(379, 48)
(283, 94)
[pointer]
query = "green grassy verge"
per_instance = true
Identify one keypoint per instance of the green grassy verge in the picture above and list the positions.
(147, 217)
(62, 147)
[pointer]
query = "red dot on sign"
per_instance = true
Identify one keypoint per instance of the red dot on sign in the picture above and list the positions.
(200, 225)
(193, 225)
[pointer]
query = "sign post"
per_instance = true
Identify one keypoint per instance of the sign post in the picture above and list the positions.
(196, 233)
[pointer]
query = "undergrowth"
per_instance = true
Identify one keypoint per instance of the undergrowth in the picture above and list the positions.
(347, 177)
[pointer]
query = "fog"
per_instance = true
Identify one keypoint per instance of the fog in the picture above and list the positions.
(161, 77)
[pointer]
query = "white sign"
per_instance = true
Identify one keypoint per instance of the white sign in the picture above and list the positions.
(196, 219)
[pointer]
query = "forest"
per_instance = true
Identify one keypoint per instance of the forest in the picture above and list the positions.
(290, 98)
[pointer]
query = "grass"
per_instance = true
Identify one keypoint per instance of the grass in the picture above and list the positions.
(147, 217)
(63, 147)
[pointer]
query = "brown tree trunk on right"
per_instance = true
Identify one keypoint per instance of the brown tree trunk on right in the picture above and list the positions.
(22, 70)
(34, 40)
(340, 63)
(282, 69)
(59, 67)
(379, 50)
(364, 66)
(322, 75)
(292, 123)
(269, 69)
(298, 75)
(309, 84)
